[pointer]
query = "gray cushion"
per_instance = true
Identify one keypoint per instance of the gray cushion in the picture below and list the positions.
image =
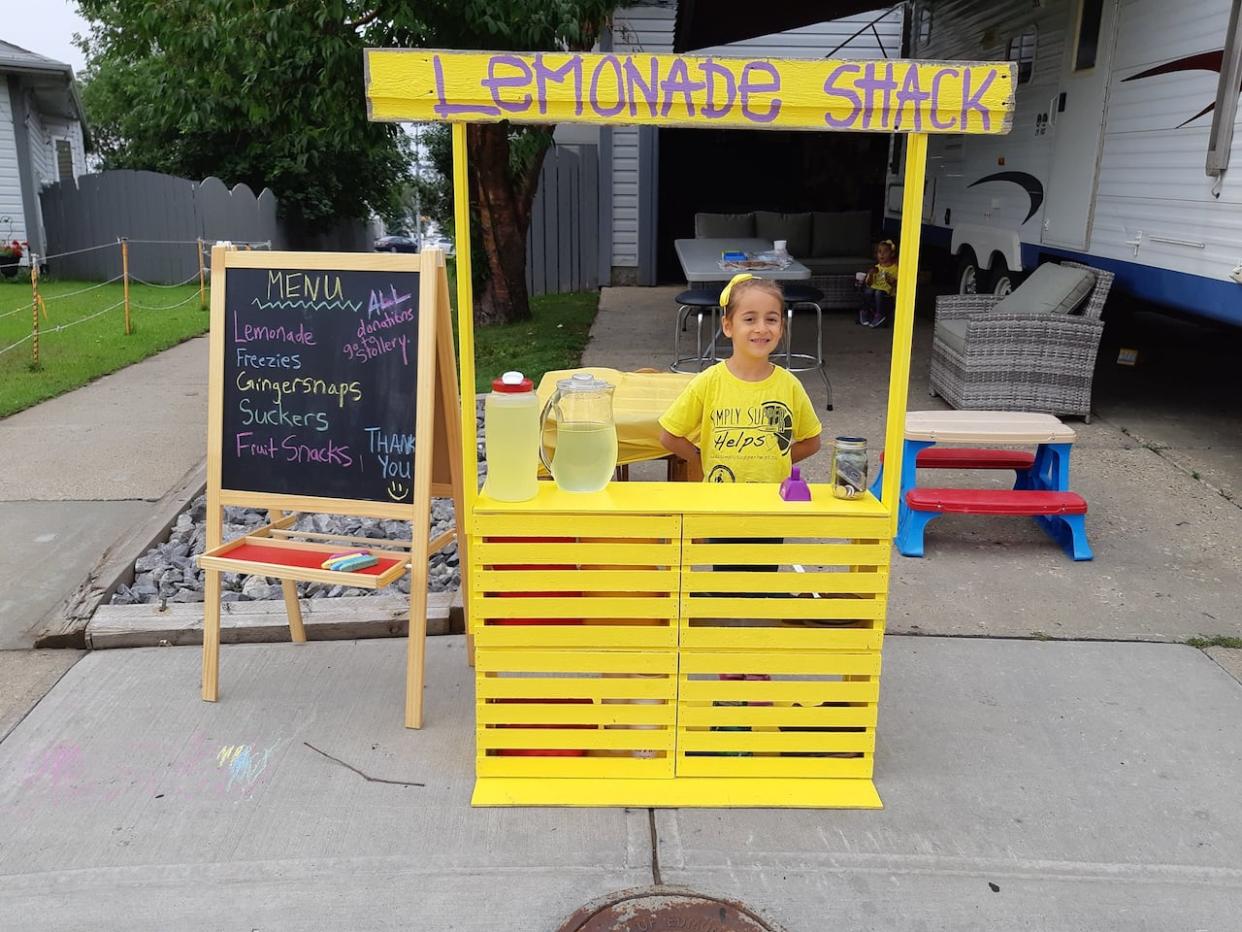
(843, 233)
(724, 226)
(1051, 289)
(953, 333)
(794, 229)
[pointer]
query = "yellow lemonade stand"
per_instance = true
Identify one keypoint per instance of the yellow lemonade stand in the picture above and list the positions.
(614, 666)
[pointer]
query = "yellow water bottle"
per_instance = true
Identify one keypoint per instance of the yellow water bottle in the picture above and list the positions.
(511, 432)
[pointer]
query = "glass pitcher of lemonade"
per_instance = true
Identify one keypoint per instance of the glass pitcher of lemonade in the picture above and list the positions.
(585, 453)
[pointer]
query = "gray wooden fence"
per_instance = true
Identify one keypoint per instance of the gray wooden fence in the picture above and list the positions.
(563, 241)
(164, 216)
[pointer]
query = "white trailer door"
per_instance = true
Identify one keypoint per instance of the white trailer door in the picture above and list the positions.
(1076, 120)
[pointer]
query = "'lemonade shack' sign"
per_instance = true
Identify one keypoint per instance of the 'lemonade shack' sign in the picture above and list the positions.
(886, 96)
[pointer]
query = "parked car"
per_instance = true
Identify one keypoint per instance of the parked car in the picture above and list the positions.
(444, 244)
(396, 242)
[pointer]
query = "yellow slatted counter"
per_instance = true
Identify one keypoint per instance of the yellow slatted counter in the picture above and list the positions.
(677, 644)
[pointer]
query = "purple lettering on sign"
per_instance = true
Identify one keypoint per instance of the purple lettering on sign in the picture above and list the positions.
(494, 82)
(544, 74)
(935, 98)
(869, 84)
(831, 89)
(911, 93)
(610, 60)
(678, 82)
(444, 108)
(651, 89)
(711, 71)
(746, 86)
(971, 101)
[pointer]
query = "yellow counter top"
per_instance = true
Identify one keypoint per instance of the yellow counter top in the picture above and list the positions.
(687, 498)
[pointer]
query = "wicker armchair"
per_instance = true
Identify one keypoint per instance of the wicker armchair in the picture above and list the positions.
(1019, 362)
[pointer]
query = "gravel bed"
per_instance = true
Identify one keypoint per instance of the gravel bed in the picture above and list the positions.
(168, 570)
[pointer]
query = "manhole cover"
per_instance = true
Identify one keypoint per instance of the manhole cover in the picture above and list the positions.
(665, 908)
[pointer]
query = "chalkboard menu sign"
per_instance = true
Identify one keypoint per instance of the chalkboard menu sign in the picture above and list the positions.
(319, 375)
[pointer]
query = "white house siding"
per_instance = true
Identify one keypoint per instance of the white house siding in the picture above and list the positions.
(1151, 168)
(650, 28)
(819, 40)
(12, 219)
(42, 164)
(635, 29)
(57, 128)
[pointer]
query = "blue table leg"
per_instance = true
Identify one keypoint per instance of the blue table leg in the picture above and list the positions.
(909, 477)
(1051, 469)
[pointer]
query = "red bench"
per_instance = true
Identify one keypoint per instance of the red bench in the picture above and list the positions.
(1023, 464)
(1059, 513)
(971, 458)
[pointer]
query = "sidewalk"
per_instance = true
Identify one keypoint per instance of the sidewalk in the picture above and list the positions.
(78, 471)
(1066, 786)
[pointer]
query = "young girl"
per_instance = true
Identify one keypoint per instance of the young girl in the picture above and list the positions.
(880, 286)
(752, 419)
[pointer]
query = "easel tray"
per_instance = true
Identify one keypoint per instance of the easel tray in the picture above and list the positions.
(301, 561)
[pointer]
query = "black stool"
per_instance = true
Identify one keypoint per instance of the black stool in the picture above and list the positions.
(799, 295)
(699, 300)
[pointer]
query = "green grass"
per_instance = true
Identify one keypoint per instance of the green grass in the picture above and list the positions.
(81, 352)
(1216, 640)
(75, 355)
(554, 339)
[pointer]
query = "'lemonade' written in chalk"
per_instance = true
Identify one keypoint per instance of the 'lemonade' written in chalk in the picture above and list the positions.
(256, 333)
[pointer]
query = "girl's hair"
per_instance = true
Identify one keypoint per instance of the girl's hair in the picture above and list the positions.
(889, 243)
(744, 282)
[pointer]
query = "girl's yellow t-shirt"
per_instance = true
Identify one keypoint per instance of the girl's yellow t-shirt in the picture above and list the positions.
(744, 430)
(879, 282)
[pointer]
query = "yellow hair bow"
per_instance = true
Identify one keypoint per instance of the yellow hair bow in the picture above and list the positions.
(728, 289)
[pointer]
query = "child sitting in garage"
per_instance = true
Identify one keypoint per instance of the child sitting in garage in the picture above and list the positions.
(879, 288)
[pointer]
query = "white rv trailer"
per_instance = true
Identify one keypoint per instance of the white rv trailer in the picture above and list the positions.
(1120, 151)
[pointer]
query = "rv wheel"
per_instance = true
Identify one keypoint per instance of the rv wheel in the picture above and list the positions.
(1001, 279)
(967, 273)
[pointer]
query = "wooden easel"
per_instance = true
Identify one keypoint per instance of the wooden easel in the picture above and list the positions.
(437, 471)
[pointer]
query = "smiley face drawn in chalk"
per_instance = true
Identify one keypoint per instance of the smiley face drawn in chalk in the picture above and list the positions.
(397, 491)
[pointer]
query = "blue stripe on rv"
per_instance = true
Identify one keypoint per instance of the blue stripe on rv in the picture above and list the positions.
(1216, 299)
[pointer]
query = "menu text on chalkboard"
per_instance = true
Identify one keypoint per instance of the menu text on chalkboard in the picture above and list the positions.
(320, 369)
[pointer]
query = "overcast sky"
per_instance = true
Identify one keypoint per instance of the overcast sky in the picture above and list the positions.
(49, 31)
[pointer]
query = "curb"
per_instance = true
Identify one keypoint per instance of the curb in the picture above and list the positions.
(345, 618)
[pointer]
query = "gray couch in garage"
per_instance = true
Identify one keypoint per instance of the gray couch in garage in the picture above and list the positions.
(834, 245)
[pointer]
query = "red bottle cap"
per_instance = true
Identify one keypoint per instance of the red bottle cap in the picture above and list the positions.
(512, 383)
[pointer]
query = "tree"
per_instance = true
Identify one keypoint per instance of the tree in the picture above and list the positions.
(505, 159)
(266, 92)
(269, 92)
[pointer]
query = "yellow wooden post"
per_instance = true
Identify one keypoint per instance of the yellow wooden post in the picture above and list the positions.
(202, 277)
(34, 310)
(125, 278)
(465, 317)
(465, 351)
(903, 326)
